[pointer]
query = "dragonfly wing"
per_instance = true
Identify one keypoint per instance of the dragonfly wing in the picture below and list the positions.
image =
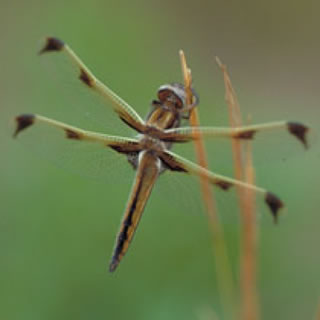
(184, 134)
(80, 97)
(177, 163)
(269, 146)
(84, 152)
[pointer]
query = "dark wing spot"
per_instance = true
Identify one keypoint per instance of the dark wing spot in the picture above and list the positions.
(72, 134)
(156, 103)
(23, 121)
(224, 185)
(274, 203)
(134, 125)
(126, 149)
(171, 164)
(52, 44)
(117, 148)
(299, 130)
(84, 77)
(131, 150)
(246, 134)
(127, 123)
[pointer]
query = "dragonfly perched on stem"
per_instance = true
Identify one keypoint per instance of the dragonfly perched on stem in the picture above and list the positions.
(149, 153)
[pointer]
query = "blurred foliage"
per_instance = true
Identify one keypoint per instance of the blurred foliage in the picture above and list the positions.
(57, 229)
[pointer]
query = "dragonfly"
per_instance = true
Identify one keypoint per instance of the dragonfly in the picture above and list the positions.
(149, 152)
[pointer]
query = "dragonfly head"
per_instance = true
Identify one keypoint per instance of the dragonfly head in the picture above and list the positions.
(174, 95)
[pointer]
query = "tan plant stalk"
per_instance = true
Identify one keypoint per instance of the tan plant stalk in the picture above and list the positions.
(243, 168)
(317, 316)
(224, 273)
(250, 310)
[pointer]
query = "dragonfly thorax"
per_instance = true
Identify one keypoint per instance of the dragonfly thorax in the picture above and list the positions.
(167, 112)
(151, 143)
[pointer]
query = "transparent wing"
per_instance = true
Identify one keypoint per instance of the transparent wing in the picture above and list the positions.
(62, 146)
(176, 163)
(182, 134)
(269, 146)
(71, 99)
(180, 193)
(273, 147)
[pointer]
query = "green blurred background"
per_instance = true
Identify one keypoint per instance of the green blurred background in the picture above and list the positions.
(57, 230)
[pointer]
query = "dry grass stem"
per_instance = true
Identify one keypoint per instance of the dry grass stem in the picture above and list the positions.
(317, 316)
(224, 273)
(206, 313)
(243, 167)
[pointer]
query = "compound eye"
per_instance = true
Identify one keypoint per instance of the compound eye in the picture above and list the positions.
(164, 94)
(167, 95)
(178, 103)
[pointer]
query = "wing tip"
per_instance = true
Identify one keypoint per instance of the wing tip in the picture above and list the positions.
(52, 44)
(300, 131)
(86, 78)
(23, 121)
(275, 204)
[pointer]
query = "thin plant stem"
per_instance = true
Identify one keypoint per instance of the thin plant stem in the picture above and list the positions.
(317, 315)
(224, 273)
(250, 310)
(244, 170)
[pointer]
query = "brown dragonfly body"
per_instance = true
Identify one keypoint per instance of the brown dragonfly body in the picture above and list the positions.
(149, 153)
(165, 114)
